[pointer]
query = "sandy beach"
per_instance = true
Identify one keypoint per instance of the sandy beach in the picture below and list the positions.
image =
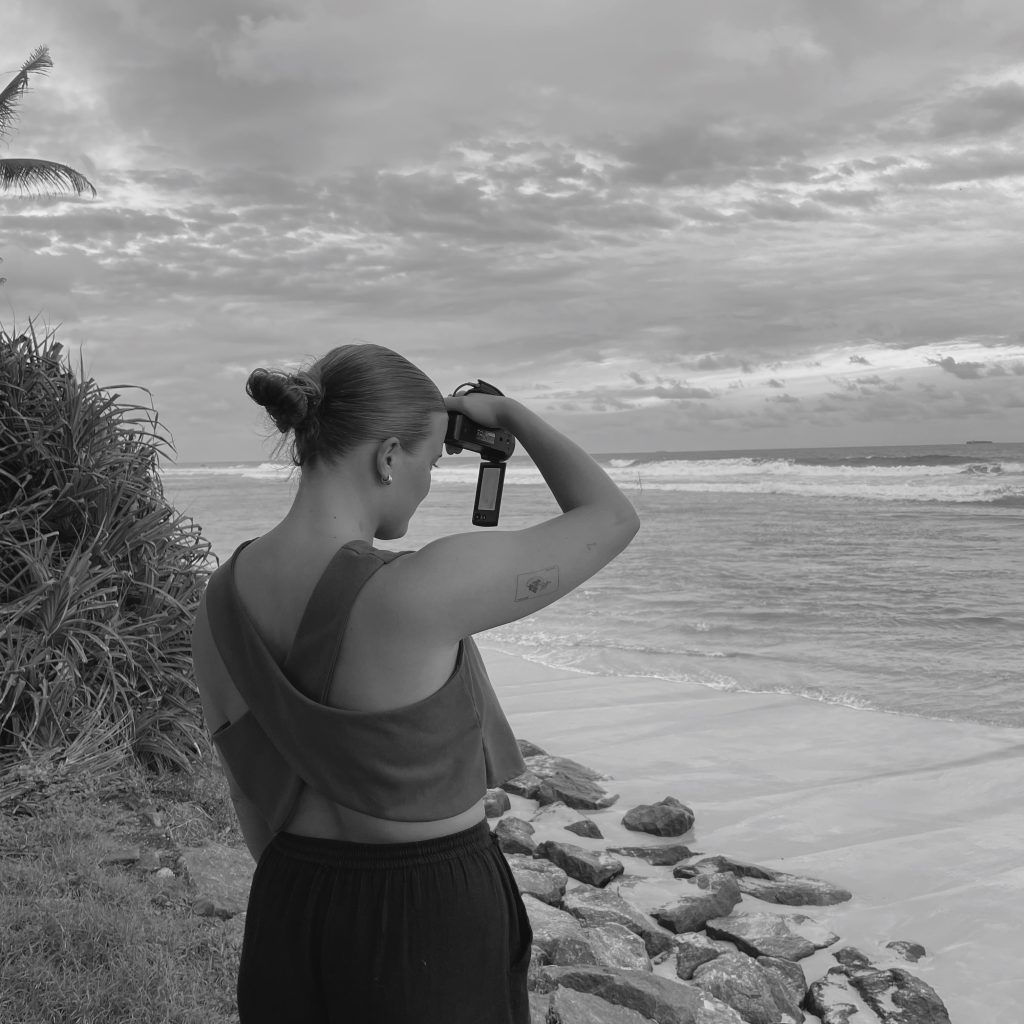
(921, 819)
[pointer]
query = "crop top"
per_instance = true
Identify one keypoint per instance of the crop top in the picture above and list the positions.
(428, 760)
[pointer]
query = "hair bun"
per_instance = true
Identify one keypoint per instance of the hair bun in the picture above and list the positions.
(290, 399)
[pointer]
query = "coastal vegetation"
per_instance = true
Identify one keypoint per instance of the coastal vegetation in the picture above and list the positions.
(99, 577)
(102, 746)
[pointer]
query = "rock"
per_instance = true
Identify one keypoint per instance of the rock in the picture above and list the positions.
(539, 878)
(557, 936)
(850, 956)
(614, 945)
(650, 995)
(668, 817)
(756, 995)
(768, 884)
(790, 976)
(699, 865)
(585, 827)
(575, 791)
(546, 765)
(525, 785)
(496, 803)
(787, 936)
(660, 856)
(793, 891)
(528, 749)
(164, 874)
(899, 997)
(570, 1007)
(120, 855)
(595, 907)
(893, 996)
(716, 896)
(912, 951)
(694, 949)
(561, 815)
(593, 867)
(568, 781)
(513, 835)
(220, 874)
(538, 1005)
(831, 1000)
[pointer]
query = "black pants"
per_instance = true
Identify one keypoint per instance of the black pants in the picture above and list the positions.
(390, 933)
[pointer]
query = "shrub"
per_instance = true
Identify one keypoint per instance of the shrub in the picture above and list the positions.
(99, 576)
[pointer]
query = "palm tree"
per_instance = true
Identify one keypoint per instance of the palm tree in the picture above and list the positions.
(27, 175)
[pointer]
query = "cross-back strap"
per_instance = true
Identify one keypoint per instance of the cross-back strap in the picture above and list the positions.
(317, 644)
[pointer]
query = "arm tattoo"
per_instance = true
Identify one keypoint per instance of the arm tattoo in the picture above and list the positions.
(536, 584)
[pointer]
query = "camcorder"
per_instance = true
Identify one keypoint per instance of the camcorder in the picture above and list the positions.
(494, 445)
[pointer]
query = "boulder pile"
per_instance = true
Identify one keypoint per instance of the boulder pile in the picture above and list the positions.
(708, 955)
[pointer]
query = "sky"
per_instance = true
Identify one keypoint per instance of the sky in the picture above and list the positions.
(662, 224)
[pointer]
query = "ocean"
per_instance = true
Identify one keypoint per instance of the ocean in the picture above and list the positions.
(884, 578)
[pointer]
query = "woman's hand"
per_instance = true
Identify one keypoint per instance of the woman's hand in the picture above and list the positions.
(487, 410)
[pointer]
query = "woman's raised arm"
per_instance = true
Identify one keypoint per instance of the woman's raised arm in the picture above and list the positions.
(470, 582)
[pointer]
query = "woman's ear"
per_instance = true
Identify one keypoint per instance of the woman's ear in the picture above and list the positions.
(386, 451)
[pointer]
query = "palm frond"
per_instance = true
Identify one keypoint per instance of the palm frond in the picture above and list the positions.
(38, 63)
(42, 177)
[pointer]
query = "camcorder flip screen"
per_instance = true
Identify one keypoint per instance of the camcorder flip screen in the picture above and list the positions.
(488, 494)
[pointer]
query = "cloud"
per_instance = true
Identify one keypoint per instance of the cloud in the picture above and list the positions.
(669, 213)
(982, 110)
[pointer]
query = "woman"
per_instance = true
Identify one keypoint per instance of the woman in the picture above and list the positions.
(353, 714)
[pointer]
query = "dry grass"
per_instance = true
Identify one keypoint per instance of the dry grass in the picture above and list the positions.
(85, 942)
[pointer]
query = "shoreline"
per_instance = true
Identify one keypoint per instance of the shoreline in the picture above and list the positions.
(919, 818)
(497, 651)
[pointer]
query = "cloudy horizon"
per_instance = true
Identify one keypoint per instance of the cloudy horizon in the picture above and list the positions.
(665, 225)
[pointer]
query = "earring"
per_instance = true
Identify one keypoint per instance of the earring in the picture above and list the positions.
(386, 480)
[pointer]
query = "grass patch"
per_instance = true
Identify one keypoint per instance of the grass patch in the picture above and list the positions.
(88, 942)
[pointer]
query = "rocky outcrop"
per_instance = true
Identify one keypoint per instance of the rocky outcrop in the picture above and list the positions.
(659, 999)
(557, 936)
(755, 994)
(713, 897)
(595, 868)
(525, 785)
(221, 876)
(595, 907)
(549, 779)
(528, 749)
(593, 950)
(910, 951)
(667, 817)
(870, 996)
(787, 936)
(659, 856)
(790, 976)
(767, 884)
(570, 1007)
(561, 815)
(694, 949)
(496, 803)
(539, 878)
(515, 836)
(616, 946)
